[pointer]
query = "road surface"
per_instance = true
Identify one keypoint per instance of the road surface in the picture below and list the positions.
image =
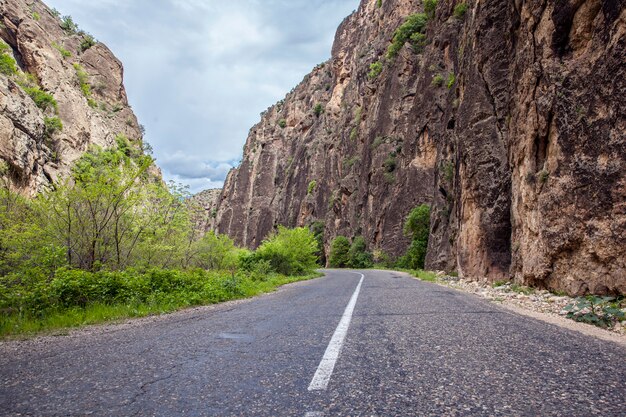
(348, 344)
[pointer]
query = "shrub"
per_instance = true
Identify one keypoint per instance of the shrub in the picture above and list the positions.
(83, 81)
(451, 80)
(437, 80)
(289, 251)
(42, 99)
(53, 125)
(599, 311)
(36, 16)
(390, 163)
(354, 133)
(417, 227)
(429, 8)
(412, 30)
(282, 123)
(318, 110)
(317, 228)
(379, 3)
(311, 187)
(68, 25)
(7, 65)
(460, 10)
(339, 252)
(375, 69)
(358, 255)
(87, 42)
(64, 52)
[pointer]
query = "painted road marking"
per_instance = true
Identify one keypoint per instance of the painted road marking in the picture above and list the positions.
(314, 414)
(326, 366)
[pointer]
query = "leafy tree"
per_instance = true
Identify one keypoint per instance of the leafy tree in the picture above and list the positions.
(339, 252)
(359, 257)
(289, 251)
(317, 228)
(412, 30)
(417, 227)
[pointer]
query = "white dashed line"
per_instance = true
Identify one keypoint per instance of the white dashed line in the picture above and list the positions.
(326, 366)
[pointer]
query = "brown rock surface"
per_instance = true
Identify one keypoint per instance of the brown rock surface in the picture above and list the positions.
(34, 158)
(523, 158)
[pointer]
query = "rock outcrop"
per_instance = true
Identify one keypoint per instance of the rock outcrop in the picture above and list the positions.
(83, 77)
(510, 122)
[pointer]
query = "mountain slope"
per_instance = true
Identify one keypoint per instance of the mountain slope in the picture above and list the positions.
(510, 122)
(83, 77)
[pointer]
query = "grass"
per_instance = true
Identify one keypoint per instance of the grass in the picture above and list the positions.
(460, 10)
(64, 52)
(25, 325)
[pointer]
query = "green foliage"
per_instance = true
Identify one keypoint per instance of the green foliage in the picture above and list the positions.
(311, 187)
(318, 109)
(339, 252)
(599, 311)
(451, 80)
(68, 25)
(375, 69)
(42, 99)
(447, 169)
(429, 8)
(543, 176)
(282, 123)
(350, 162)
(83, 80)
(437, 80)
(390, 164)
(53, 125)
(8, 65)
(354, 133)
(379, 3)
(64, 52)
(317, 228)
(36, 16)
(417, 227)
(378, 140)
(412, 30)
(460, 10)
(87, 42)
(289, 251)
(54, 12)
(4, 47)
(358, 255)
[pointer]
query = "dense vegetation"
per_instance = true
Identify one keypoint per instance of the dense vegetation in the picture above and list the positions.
(112, 241)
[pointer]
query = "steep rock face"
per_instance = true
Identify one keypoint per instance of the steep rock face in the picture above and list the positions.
(38, 44)
(510, 123)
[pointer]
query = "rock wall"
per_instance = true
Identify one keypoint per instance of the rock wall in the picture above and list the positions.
(38, 43)
(510, 123)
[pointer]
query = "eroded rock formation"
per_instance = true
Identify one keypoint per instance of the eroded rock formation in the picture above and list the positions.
(510, 123)
(85, 81)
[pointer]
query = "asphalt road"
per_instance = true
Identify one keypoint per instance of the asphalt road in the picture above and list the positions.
(409, 348)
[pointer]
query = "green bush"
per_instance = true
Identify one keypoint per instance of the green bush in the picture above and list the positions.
(42, 99)
(339, 252)
(375, 69)
(311, 187)
(318, 110)
(358, 255)
(317, 228)
(390, 164)
(87, 42)
(598, 311)
(83, 80)
(379, 3)
(64, 52)
(289, 251)
(429, 8)
(451, 80)
(68, 25)
(412, 30)
(417, 227)
(282, 123)
(437, 80)
(36, 16)
(53, 125)
(8, 65)
(460, 10)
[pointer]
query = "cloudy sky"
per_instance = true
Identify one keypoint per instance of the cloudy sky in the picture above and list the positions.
(199, 72)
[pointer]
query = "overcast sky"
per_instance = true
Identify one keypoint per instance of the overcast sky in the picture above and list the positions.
(199, 72)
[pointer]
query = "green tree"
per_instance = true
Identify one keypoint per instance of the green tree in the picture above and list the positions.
(289, 251)
(358, 255)
(339, 252)
(417, 227)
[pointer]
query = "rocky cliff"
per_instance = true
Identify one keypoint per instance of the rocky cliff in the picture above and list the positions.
(507, 117)
(60, 92)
